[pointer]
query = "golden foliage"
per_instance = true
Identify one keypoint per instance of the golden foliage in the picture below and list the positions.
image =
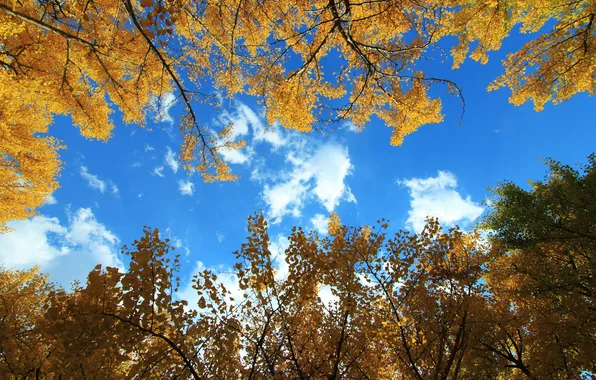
(439, 304)
(29, 164)
(334, 224)
(62, 60)
(556, 65)
(309, 63)
(23, 297)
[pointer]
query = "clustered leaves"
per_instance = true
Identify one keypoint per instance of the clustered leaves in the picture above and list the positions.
(310, 63)
(361, 303)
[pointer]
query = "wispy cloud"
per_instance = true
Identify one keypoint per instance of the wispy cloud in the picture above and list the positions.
(50, 200)
(158, 171)
(250, 126)
(93, 180)
(148, 148)
(162, 105)
(351, 127)
(171, 160)
(316, 172)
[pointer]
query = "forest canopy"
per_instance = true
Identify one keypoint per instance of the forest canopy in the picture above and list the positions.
(311, 64)
(510, 297)
(442, 303)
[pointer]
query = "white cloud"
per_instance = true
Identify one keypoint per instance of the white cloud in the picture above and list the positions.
(162, 105)
(272, 135)
(239, 121)
(114, 188)
(148, 148)
(320, 224)
(278, 249)
(136, 164)
(320, 175)
(352, 127)
(224, 276)
(220, 237)
(239, 129)
(173, 239)
(66, 253)
(330, 165)
(171, 160)
(438, 197)
(246, 122)
(234, 156)
(92, 180)
(158, 171)
(28, 244)
(314, 171)
(186, 187)
(50, 200)
(285, 198)
(326, 296)
(227, 276)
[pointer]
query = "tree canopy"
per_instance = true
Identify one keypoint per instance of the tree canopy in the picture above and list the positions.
(514, 298)
(360, 303)
(310, 64)
(548, 266)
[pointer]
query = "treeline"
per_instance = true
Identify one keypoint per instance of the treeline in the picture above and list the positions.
(514, 299)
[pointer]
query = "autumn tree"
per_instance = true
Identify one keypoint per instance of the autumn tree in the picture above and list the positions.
(361, 303)
(128, 325)
(547, 266)
(81, 60)
(552, 67)
(23, 350)
(409, 306)
(310, 64)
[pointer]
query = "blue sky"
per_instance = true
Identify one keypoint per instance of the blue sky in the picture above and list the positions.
(109, 191)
